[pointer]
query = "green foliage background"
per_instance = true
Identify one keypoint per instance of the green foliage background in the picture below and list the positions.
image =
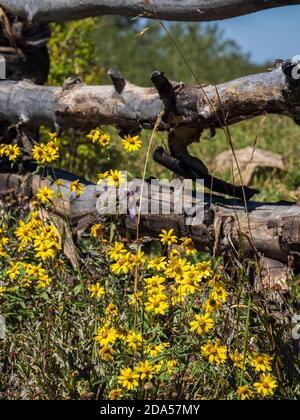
(88, 48)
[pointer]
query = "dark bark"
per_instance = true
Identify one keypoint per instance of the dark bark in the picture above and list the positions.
(184, 10)
(25, 51)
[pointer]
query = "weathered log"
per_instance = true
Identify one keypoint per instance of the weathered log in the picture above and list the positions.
(184, 10)
(131, 107)
(183, 110)
(271, 230)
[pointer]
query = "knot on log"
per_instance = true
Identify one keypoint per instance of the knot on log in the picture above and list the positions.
(291, 69)
(166, 93)
(118, 80)
(163, 85)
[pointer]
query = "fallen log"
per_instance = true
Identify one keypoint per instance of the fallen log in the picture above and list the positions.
(270, 230)
(180, 10)
(184, 111)
(131, 107)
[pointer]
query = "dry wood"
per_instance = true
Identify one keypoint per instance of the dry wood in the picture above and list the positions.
(131, 107)
(184, 110)
(271, 230)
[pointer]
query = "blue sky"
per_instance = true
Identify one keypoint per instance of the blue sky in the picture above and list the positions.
(267, 35)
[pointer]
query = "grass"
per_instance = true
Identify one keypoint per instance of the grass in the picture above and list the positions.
(62, 341)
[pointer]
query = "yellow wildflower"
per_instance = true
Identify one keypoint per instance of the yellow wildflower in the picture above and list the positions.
(177, 268)
(171, 364)
(244, 392)
(38, 154)
(77, 188)
(178, 294)
(46, 153)
(134, 340)
(111, 310)
(106, 335)
(155, 350)
(157, 304)
(128, 379)
(204, 269)
(116, 251)
(219, 293)
(35, 270)
(43, 282)
(96, 230)
(261, 362)
(12, 152)
(202, 324)
(3, 253)
(3, 239)
(190, 281)
(115, 178)
(52, 136)
(94, 135)
(106, 353)
(45, 194)
(135, 298)
(97, 136)
(45, 249)
(146, 370)
(102, 177)
(266, 386)
(132, 144)
(15, 270)
(104, 140)
(155, 282)
(137, 259)
(187, 245)
(167, 237)
(158, 263)
(214, 352)
(238, 360)
(212, 304)
(2, 149)
(122, 266)
(96, 290)
(24, 233)
(115, 394)
(59, 183)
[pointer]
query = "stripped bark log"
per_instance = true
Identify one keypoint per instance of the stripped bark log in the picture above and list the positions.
(184, 10)
(271, 230)
(131, 107)
(182, 110)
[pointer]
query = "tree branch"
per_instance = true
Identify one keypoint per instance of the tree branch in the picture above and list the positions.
(180, 10)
